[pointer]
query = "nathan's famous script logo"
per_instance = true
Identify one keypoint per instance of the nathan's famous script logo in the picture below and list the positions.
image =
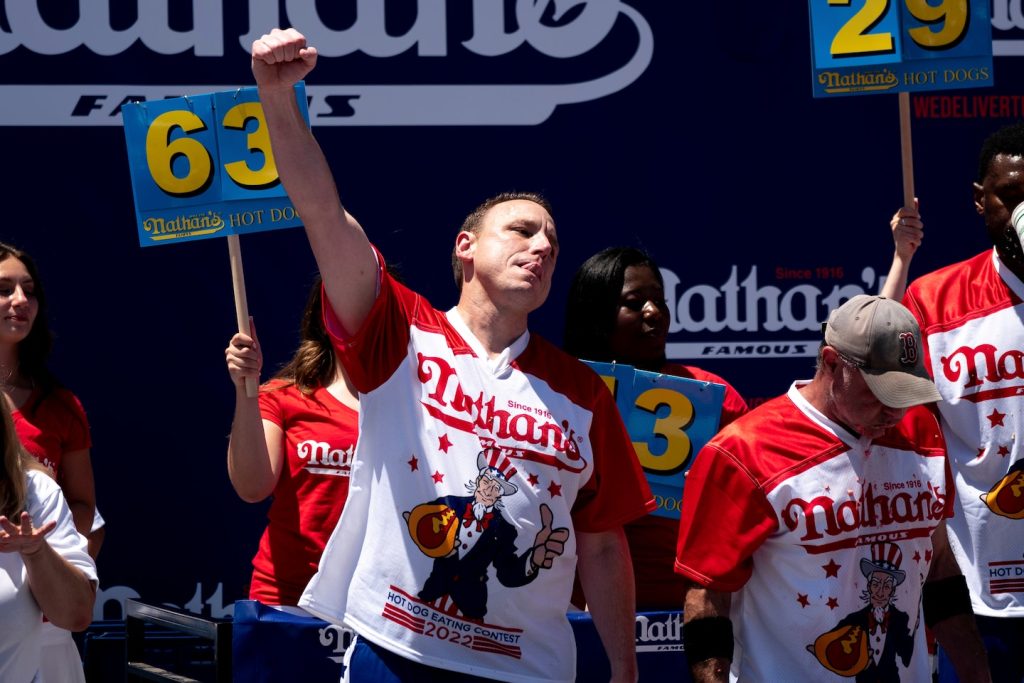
(823, 517)
(447, 402)
(1006, 498)
(554, 29)
(858, 81)
(974, 366)
(735, 312)
(183, 226)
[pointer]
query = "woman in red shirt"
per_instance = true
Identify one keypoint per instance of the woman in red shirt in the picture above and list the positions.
(295, 441)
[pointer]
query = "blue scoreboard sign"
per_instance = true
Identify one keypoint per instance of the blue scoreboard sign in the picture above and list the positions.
(669, 420)
(873, 46)
(202, 167)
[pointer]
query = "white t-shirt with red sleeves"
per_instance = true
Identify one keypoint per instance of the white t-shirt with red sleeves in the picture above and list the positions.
(823, 537)
(430, 402)
(20, 617)
(972, 325)
(319, 443)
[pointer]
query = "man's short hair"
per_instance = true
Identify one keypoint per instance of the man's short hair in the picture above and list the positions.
(1008, 140)
(475, 219)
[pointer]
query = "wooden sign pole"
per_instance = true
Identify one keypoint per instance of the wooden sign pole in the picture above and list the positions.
(241, 305)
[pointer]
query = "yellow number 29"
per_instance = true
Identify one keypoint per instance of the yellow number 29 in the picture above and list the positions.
(953, 14)
(161, 152)
(853, 37)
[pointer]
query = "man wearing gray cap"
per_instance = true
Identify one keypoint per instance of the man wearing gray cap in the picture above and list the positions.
(786, 506)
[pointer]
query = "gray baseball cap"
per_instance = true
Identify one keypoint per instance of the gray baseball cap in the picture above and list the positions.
(882, 338)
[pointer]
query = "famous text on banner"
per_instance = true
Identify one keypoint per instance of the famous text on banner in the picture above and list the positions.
(201, 166)
(669, 420)
(863, 47)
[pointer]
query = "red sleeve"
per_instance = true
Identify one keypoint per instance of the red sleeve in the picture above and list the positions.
(913, 305)
(76, 434)
(270, 398)
(375, 351)
(733, 406)
(725, 518)
(617, 491)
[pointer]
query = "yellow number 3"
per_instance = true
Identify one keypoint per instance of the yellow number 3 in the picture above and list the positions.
(670, 428)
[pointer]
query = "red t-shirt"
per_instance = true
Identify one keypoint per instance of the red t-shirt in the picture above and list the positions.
(652, 539)
(319, 440)
(52, 427)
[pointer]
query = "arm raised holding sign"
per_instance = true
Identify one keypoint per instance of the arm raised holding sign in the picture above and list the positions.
(280, 59)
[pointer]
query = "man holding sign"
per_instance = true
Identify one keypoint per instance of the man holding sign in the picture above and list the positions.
(813, 528)
(436, 389)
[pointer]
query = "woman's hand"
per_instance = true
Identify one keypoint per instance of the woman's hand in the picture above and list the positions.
(244, 356)
(23, 537)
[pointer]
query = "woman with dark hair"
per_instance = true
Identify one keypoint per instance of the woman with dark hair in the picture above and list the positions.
(295, 442)
(45, 569)
(616, 311)
(49, 421)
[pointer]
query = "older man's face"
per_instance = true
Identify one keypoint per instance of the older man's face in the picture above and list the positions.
(880, 588)
(488, 491)
(854, 405)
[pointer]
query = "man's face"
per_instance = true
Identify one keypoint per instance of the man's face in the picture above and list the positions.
(880, 588)
(488, 491)
(996, 198)
(513, 254)
(852, 403)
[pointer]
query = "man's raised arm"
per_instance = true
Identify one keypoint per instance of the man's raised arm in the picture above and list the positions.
(280, 59)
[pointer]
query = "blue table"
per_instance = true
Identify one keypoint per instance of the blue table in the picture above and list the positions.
(270, 646)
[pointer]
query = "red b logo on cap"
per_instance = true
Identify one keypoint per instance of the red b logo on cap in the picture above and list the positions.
(908, 344)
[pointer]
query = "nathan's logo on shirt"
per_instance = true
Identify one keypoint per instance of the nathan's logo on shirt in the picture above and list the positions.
(446, 401)
(974, 366)
(823, 517)
(322, 459)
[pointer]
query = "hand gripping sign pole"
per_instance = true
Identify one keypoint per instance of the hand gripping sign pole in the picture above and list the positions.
(202, 167)
(241, 305)
(861, 47)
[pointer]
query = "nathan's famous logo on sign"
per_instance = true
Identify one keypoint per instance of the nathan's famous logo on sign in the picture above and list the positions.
(496, 36)
(757, 312)
(206, 223)
(858, 81)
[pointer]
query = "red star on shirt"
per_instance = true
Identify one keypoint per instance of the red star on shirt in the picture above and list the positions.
(831, 569)
(917, 556)
(1004, 451)
(927, 555)
(533, 480)
(437, 477)
(414, 464)
(555, 489)
(996, 418)
(802, 599)
(443, 444)
(832, 603)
